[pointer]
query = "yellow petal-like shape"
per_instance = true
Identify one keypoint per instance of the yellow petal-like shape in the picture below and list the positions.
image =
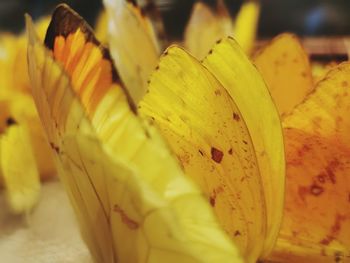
(286, 69)
(15, 94)
(246, 25)
(18, 168)
(132, 45)
(243, 82)
(205, 27)
(131, 198)
(316, 224)
(22, 110)
(206, 130)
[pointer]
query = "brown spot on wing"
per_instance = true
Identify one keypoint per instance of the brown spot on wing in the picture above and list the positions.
(237, 233)
(236, 117)
(216, 155)
(215, 193)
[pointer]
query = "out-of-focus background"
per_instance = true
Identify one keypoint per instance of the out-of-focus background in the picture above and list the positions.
(305, 18)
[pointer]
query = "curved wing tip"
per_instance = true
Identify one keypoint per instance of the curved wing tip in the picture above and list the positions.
(32, 37)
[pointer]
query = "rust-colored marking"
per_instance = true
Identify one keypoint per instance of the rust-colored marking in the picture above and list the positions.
(216, 155)
(236, 117)
(230, 152)
(334, 231)
(237, 233)
(303, 191)
(333, 165)
(212, 201)
(125, 219)
(303, 150)
(212, 198)
(55, 147)
(344, 83)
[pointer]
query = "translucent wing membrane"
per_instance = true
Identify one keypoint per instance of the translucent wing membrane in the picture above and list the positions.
(130, 196)
(245, 85)
(205, 129)
(133, 45)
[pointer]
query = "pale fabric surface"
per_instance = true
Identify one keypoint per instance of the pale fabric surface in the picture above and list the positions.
(50, 236)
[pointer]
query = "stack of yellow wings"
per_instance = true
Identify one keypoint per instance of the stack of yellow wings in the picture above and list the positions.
(212, 191)
(189, 166)
(316, 225)
(24, 154)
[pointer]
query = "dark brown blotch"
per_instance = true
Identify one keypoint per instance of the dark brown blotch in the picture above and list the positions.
(236, 116)
(216, 155)
(10, 121)
(237, 233)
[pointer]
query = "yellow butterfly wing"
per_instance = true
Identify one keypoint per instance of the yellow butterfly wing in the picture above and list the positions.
(132, 45)
(242, 81)
(207, 132)
(246, 24)
(316, 224)
(131, 198)
(285, 67)
(18, 168)
(205, 27)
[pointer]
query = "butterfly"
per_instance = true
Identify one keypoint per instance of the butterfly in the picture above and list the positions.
(121, 177)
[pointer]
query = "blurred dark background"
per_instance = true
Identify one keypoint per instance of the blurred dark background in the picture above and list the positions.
(305, 18)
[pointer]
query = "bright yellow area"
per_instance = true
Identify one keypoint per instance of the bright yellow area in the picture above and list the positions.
(208, 133)
(229, 63)
(15, 92)
(16, 153)
(246, 25)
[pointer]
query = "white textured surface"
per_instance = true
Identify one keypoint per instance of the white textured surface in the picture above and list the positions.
(51, 234)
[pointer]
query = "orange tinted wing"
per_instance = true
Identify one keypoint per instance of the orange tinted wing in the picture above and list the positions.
(286, 69)
(316, 224)
(87, 62)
